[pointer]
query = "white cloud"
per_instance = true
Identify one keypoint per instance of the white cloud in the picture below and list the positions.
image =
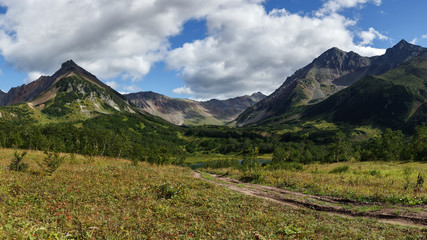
(414, 41)
(424, 36)
(183, 90)
(369, 36)
(123, 88)
(107, 37)
(114, 85)
(249, 50)
(333, 6)
(246, 49)
(32, 76)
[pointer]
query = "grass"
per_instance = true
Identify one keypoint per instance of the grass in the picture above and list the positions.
(212, 157)
(104, 198)
(363, 181)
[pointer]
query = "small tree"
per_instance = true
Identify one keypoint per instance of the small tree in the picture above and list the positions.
(51, 162)
(17, 163)
(338, 150)
(279, 156)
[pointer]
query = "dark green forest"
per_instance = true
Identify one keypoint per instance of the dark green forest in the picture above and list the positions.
(137, 137)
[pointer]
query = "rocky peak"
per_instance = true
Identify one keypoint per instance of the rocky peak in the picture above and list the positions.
(258, 95)
(404, 49)
(69, 64)
(394, 56)
(337, 58)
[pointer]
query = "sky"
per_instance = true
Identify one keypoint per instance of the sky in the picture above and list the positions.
(195, 49)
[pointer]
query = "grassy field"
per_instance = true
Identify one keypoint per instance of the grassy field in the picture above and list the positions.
(202, 158)
(391, 182)
(102, 198)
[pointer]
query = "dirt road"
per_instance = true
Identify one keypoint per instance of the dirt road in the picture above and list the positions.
(389, 213)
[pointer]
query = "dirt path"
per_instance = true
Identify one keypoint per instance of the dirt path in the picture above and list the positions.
(396, 214)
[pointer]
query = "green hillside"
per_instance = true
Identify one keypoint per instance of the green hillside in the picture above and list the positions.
(80, 115)
(395, 99)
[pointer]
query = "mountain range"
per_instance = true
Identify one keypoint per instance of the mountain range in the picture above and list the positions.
(190, 112)
(54, 94)
(388, 91)
(331, 72)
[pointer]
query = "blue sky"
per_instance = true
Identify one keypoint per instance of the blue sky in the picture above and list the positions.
(195, 49)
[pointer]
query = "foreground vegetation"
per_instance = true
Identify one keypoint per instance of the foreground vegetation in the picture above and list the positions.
(390, 182)
(93, 198)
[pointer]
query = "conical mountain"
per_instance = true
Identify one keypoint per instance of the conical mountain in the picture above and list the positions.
(29, 92)
(331, 72)
(72, 111)
(71, 93)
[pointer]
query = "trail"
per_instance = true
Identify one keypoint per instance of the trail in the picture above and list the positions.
(388, 213)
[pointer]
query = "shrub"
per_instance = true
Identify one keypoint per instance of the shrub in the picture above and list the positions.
(17, 163)
(340, 169)
(51, 162)
(375, 172)
(420, 182)
(253, 175)
(167, 191)
(291, 166)
(407, 171)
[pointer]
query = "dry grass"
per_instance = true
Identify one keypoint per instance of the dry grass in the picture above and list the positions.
(103, 198)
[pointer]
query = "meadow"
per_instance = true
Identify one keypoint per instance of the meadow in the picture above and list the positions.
(389, 182)
(109, 198)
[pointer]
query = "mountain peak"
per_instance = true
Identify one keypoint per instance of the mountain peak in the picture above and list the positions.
(71, 66)
(405, 46)
(69, 63)
(402, 44)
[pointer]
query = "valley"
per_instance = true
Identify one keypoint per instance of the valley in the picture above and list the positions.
(344, 144)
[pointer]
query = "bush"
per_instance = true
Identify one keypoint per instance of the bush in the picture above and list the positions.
(17, 163)
(253, 175)
(340, 169)
(292, 166)
(51, 162)
(167, 191)
(375, 172)
(420, 182)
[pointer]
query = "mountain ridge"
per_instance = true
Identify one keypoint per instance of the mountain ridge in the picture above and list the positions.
(331, 72)
(395, 99)
(191, 112)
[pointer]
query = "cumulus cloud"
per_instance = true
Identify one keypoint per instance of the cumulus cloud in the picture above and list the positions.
(107, 37)
(248, 49)
(183, 90)
(369, 36)
(123, 88)
(113, 84)
(333, 6)
(34, 75)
